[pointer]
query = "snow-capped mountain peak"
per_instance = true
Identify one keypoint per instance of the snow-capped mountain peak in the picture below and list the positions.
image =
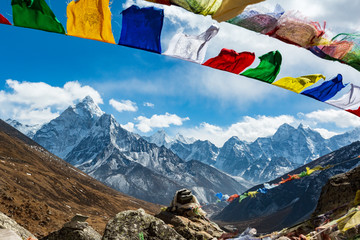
(188, 140)
(88, 107)
(61, 134)
(161, 138)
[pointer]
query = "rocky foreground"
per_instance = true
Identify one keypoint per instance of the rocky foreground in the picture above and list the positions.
(335, 218)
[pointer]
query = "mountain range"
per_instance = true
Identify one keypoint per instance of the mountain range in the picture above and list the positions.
(94, 142)
(294, 201)
(266, 158)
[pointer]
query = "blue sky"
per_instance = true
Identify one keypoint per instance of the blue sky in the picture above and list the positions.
(42, 73)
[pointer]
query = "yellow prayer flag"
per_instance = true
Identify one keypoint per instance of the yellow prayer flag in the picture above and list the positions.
(298, 84)
(231, 8)
(342, 222)
(90, 19)
(252, 194)
(353, 222)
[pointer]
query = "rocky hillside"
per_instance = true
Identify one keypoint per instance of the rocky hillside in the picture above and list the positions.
(339, 191)
(293, 201)
(41, 191)
(95, 142)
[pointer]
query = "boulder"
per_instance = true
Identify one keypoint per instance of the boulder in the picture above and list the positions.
(135, 225)
(339, 193)
(8, 223)
(185, 203)
(75, 229)
(192, 228)
(188, 219)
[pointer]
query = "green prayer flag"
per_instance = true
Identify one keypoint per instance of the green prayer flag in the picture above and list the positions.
(242, 197)
(303, 174)
(268, 68)
(35, 14)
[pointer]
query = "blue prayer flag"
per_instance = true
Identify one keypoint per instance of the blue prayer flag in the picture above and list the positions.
(219, 195)
(326, 90)
(141, 28)
(262, 190)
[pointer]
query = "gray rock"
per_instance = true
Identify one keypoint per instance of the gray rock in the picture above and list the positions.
(192, 228)
(128, 225)
(7, 234)
(79, 218)
(76, 229)
(8, 223)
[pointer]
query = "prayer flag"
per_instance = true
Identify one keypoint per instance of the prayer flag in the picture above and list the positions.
(191, 48)
(295, 29)
(298, 84)
(270, 186)
(262, 190)
(165, 2)
(231, 8)
(242, 197)
(257, 20)
(35, 14)
(232, 197)
(90, 19)
(231, 61)
(3, 20)
(252, 194)
(356, 111)
(268, 68)
(349, 102)
(141, 28)
(327, 90)
(204, 7)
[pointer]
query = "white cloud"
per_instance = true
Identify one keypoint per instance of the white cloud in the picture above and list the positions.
(149, 104)
(340, 118)
(249, 129)
(158, 121)
(123, 105)
(34, 116)
(325, 133)
(39, 102)
(41, 95)
(129, 126)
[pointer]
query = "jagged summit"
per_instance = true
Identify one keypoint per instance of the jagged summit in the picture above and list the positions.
(61, 134)
(87, 107)
(161, 138)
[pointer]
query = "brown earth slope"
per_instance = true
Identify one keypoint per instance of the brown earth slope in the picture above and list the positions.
(41, 191)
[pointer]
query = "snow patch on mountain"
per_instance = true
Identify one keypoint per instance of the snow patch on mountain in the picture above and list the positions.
(28, 130)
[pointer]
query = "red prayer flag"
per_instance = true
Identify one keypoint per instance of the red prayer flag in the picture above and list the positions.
(3, 20)
(231, 61)
(232, 197)
(356, 112)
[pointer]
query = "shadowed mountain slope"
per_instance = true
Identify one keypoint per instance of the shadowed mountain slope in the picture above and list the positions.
(41, 191)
